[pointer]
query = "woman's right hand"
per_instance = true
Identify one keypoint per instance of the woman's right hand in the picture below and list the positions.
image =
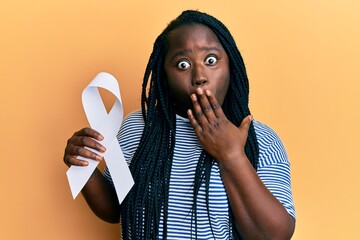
(86, 137)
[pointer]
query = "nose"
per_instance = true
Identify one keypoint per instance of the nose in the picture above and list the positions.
(199, 76)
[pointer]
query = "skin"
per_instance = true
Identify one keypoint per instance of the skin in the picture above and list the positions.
(197, 71)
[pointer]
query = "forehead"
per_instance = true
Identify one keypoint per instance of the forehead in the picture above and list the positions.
(192, 34)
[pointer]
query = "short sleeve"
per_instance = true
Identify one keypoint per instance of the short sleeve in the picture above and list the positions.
(274, 166)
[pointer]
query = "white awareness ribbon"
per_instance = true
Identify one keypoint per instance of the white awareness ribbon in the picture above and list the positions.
(108, 124)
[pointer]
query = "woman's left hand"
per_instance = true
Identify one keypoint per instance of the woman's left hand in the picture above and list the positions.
(219, 137)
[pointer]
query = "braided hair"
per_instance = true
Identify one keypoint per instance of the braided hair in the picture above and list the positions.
(147, 203)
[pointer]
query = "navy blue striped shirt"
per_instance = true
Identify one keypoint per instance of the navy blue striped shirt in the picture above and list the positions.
(273, 170)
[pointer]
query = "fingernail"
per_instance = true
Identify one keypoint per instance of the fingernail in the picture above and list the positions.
(102, 149)
(207, 92)
(193, 97)
(199, 91)
(99, 158)
(100, 137)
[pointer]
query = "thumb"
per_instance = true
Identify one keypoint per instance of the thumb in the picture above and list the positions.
(245, 124)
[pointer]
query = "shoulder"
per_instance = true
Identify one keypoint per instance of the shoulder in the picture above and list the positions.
(133, 121)
(134, 117)
(132, 127)
(271, 148)
(263, 131)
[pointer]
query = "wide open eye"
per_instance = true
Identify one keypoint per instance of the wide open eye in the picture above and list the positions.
(183, 65)
(211, 60)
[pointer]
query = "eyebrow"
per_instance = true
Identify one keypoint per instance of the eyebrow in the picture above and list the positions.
(186, 51)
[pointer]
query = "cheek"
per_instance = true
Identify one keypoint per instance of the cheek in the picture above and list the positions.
(223, 86)
(173, 83)
(177, 81)
(176, 85)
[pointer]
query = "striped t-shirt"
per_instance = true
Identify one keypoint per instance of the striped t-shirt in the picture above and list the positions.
(273, 170)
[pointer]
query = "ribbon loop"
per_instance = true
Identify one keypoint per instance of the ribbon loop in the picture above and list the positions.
(108, 124)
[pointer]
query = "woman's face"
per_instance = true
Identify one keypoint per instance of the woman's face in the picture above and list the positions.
(195, 59)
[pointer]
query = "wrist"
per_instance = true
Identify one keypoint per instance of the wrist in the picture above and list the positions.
(94, 176)
(233, 161)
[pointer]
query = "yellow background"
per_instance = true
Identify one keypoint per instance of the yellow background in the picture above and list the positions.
(303, 64)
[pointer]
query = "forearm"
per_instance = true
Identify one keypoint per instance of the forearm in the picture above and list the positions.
(101, 198)
(258, 214)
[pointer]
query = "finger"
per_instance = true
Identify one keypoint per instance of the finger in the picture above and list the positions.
(89, 142)
(205, 103)
(194, 122)
(73, 161)
(217, 110)
(83, 152)
(197, 112)
(89, 132)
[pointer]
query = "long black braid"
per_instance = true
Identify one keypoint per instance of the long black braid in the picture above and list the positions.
(147, 202)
